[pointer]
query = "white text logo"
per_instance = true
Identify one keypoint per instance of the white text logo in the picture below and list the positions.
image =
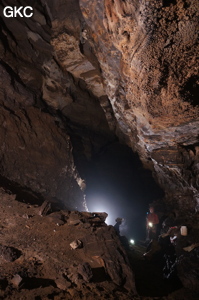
(13, 12)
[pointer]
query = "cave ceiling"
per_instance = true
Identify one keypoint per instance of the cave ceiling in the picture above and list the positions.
(85, 71)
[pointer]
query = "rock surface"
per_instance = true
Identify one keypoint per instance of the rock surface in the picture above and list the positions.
(47, 265)
(132, 66)
(148, 53)
(77, 73)
(49, 90)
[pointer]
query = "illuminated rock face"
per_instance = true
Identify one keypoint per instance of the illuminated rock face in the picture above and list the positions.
(147, 51)
(92, 68)
(36, 151)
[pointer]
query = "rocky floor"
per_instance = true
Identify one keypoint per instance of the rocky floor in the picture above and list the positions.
(37, 259)
(150, 281)
(38, 262)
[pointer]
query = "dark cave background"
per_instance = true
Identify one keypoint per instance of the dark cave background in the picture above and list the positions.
(118, 184)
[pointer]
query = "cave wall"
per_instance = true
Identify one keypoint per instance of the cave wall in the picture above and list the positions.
(41, 103)
(35, 153)
(148, 53)
(38, 156)
(91, 69)
(78, 72)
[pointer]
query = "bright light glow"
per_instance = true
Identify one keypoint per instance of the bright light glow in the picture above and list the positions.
(100, 204)
(150, 224)
(132, 242)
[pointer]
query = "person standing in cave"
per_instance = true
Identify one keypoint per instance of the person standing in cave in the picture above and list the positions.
(152, 222)
(117, 225)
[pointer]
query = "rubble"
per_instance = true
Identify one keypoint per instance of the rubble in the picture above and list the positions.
(62, 283)
(17, 281)
(45, 208)
(76, 70)
(47, 265)
(191, 247)
(76, 244)
(79, 274)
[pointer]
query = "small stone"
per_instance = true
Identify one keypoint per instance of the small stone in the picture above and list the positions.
(85, 271)
(76, 244)
(25, 216)
(73, 293)
(74, 222)
(17, 280)
(45, 208)
(62, 283)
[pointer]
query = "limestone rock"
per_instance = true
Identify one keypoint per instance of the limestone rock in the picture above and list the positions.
(79, 70)
(76, 244)
(148, 55)
(62, 283)
(17, 281)
(80, 273)
(104, 246)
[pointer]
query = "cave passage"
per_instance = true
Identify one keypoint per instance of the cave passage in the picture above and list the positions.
(118, 184)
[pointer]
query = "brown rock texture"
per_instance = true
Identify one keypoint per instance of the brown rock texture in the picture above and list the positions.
(36, 154)
(132, 66)
(41, 103)
(37, 261)
(77, 73)
(148, 53)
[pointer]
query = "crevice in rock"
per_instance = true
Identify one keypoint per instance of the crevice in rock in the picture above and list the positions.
(167, 3)
(23, 194)
(13, 75)
(190, 91)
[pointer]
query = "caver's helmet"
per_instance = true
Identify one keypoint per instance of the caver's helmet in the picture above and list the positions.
(119, 220)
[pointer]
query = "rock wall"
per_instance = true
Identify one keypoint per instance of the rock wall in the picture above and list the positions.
(126, 66)
(49, 90)
(88, 69)
(36, 155)
(147, 51)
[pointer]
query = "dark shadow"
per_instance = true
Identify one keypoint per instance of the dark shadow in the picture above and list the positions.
(191, 147)
(26, 195)
(52, 296)
(167, 3)
(149, 276)
(3, 284)
(190, 91)
(34, 283)
(99, 275)
(118, 184)
(9, 254)
(23, 194)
